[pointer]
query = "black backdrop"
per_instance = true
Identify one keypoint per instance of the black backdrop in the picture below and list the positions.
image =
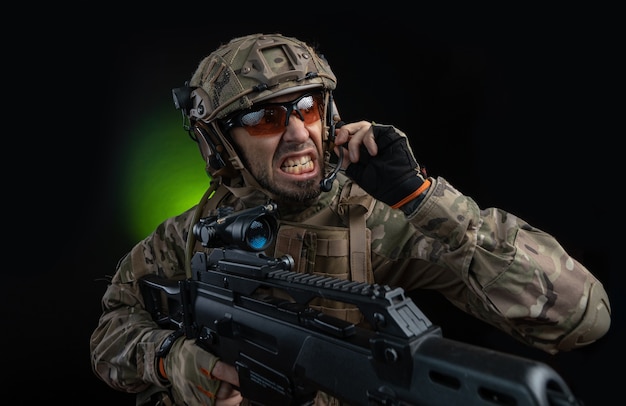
(516, 111)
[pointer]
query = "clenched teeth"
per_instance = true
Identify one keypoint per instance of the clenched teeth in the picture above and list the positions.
(303, 164)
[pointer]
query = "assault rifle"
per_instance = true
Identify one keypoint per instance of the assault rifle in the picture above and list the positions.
(285, 351)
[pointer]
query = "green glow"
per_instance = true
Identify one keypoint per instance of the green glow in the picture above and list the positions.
(162, 172)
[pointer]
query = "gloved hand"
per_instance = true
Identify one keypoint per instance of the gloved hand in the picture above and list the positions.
(392, 175)
(188, 368)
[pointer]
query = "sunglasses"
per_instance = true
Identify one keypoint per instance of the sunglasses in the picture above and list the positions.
(272, 118)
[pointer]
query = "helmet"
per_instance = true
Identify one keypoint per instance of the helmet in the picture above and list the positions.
(238, 74)
(255, 68)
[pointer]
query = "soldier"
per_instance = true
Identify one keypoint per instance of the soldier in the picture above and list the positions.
(261, 110)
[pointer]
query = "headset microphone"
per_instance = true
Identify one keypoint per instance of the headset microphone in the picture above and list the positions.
(327, 183)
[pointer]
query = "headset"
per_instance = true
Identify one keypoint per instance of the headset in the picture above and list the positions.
(198, 129)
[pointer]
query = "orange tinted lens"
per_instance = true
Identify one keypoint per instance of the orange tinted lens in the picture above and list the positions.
(272, 119)
(311, 114)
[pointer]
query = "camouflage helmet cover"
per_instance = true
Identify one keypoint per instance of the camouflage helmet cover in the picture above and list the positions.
(256, 67)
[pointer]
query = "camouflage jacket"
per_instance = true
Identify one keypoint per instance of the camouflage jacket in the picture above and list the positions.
(487, 262)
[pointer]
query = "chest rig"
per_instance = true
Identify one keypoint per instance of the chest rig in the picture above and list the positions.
(333, 242)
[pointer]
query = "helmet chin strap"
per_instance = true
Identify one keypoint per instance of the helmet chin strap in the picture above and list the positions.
(247, 183)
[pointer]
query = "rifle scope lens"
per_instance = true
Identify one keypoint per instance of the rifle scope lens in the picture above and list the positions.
(259, 234)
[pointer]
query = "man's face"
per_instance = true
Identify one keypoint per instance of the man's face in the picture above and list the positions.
(287, 162)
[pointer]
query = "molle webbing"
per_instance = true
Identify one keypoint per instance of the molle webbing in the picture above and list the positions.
(337, 252)
(323, 251)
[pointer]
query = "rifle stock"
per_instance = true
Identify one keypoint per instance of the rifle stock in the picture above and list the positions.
(285, 351)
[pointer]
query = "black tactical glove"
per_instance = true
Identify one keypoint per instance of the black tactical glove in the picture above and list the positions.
(393, 175)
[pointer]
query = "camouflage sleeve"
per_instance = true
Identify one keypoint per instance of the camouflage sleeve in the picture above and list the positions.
(124, 343)
(521, 278)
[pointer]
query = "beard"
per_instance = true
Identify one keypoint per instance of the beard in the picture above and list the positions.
(294, 192)
(299, 192)
(289, 192)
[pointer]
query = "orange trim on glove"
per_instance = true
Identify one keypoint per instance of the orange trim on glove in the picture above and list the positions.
(413, 195)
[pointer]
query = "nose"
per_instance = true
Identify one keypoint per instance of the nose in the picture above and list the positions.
(295, 131)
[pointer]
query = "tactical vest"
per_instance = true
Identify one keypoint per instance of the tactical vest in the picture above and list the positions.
(319, 249)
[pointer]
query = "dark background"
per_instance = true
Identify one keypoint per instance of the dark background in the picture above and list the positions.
(515, 108)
